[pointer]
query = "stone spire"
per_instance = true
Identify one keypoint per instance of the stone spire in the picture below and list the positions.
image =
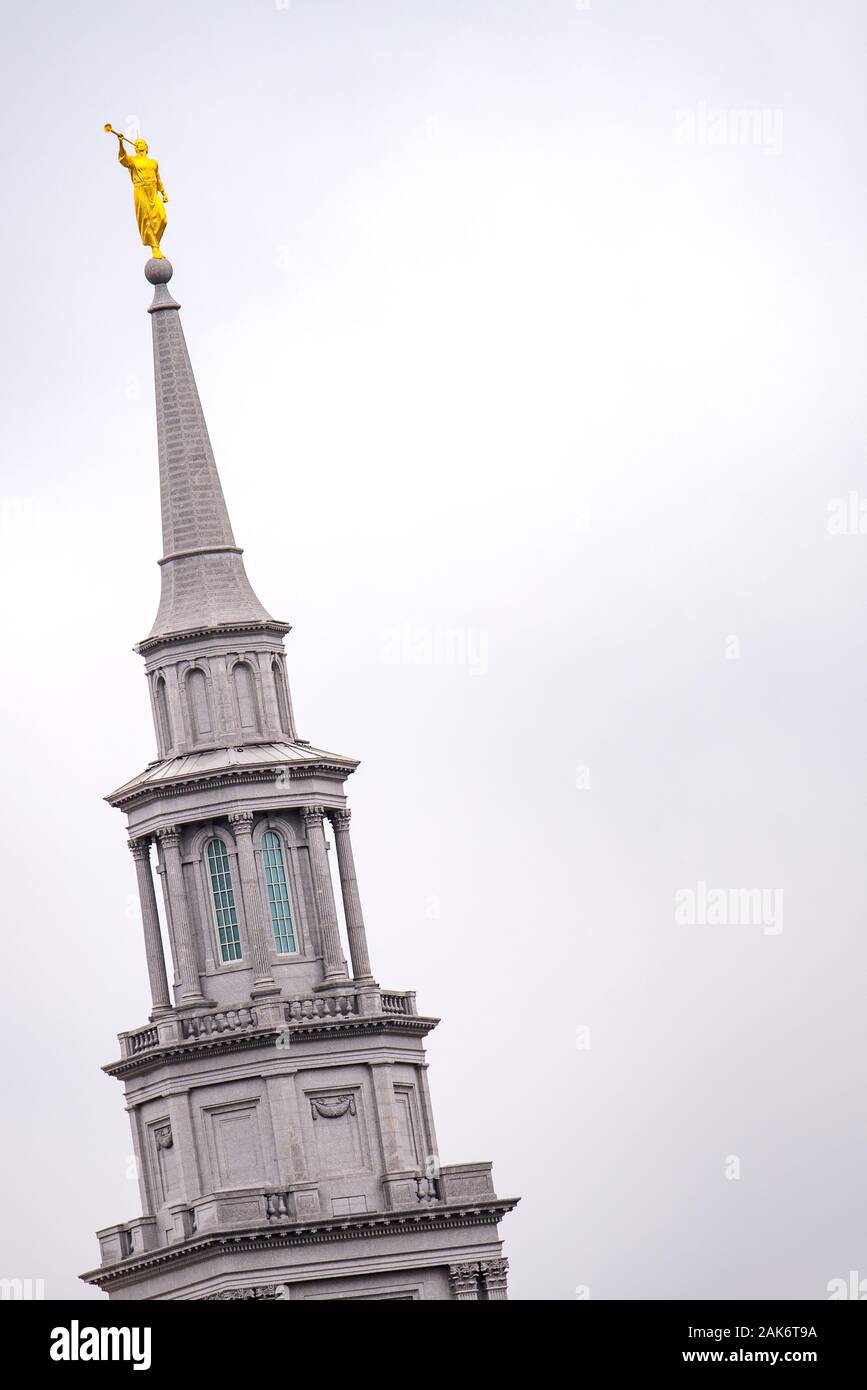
(204, 583)
(258, 1031)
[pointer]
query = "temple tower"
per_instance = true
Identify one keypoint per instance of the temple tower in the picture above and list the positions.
(278, 1096)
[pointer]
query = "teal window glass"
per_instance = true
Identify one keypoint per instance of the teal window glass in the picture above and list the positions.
(224, 901)
(278, 894)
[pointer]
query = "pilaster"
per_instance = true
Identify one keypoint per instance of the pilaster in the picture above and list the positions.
(383, 1090)
(184, 1140)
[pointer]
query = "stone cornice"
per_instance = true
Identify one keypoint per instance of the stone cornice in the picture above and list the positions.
(319, 1232)
(240, 777)
(149, 644)
(169, 1054)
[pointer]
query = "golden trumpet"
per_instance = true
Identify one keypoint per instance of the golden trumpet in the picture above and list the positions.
(110, 130)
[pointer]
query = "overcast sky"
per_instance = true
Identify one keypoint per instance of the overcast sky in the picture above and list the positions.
(527, 331)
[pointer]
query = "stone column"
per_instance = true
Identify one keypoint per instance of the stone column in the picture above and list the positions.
(335, 965)
(464, 1279)
(188, 968)
(254, 907)
(494, 1274)
(141, 853)
(351, 901)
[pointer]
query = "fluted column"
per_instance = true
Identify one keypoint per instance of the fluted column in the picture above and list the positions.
(156, 961)
(351, 901)
(494, 1276)
(254, 907)
(188, 968)
(464, 1279)
(335, 965)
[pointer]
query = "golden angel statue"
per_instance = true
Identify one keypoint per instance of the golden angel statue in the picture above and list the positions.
(149, 195)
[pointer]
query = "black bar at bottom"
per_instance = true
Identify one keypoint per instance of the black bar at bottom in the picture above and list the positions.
(91, 1338)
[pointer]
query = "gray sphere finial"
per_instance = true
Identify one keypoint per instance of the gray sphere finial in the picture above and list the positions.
(158, 270)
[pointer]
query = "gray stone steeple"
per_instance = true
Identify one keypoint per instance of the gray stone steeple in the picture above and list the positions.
(204, 583)
(278, 1096)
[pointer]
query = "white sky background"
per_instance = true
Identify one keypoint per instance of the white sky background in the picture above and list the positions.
(483, 349)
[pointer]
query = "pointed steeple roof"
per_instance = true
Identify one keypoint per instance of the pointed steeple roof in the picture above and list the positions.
(204, 583)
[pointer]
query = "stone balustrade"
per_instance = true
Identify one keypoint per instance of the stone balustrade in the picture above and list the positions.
(140, 1040)
(312, 1008)
(399, 1002)
(241, 1207)
(130, 1238)
(455, 1184)
(222, 1021)
(409, 1189)
(320, 1006)
(278, 1206)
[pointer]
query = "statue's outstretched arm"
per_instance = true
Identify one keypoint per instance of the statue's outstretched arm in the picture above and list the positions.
(122, 157)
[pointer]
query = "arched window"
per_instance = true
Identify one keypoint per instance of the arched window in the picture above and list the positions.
(164, 726)
(200, 710)
(245, 691)
(223, 897)
(282, 702)
(278, 894)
